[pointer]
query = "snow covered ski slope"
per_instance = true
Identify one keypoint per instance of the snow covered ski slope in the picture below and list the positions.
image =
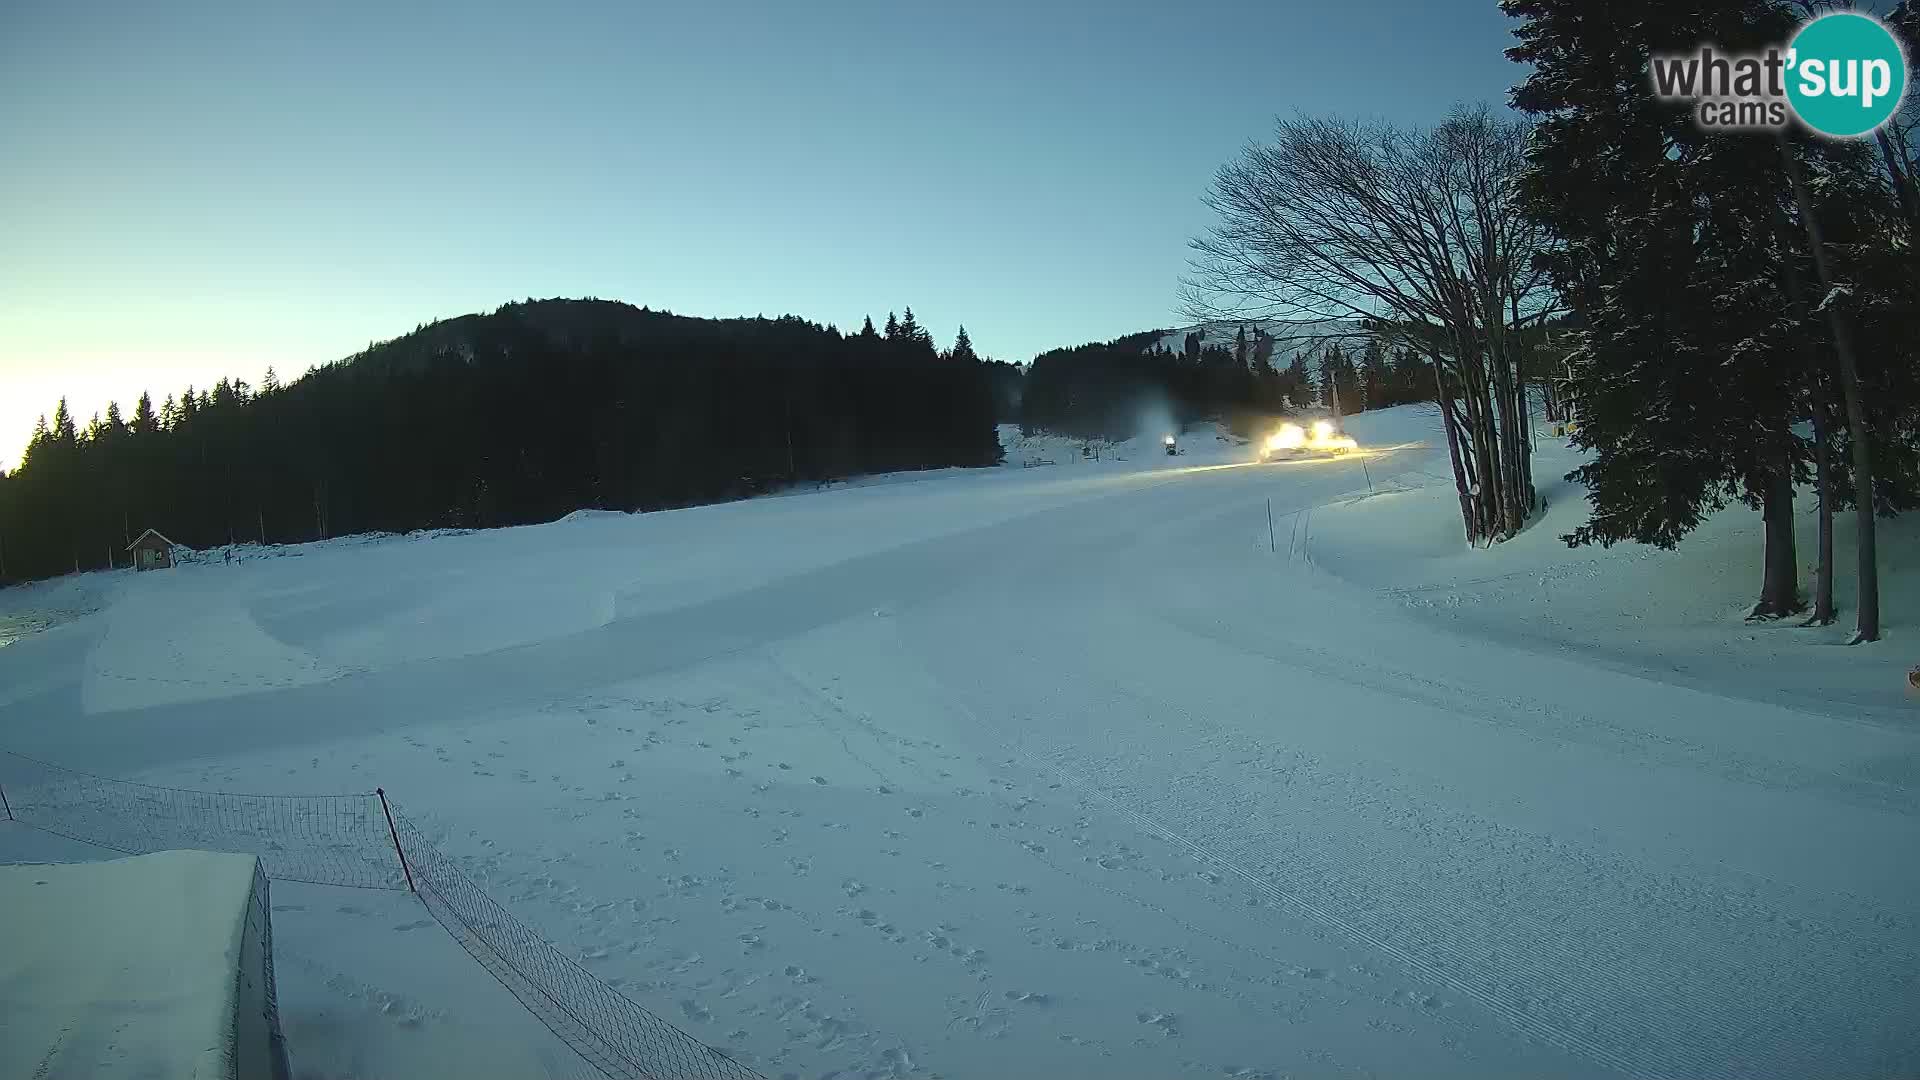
(1064, 771)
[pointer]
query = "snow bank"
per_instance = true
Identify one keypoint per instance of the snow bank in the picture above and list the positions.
(1679, 614)
(40, 605)
(139, 967)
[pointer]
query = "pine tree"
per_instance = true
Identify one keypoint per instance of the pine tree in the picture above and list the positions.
(1690, 371)
(1376, 380)
(1262, 362)
(1240, 346)
(1412, 377)
(893, 327)
(1339, 382)
(963, 348)
(143, 419)
(63, 431)
(912, 331)
(1298, 383)
(38, 441)
(866, 328)
(270, 384)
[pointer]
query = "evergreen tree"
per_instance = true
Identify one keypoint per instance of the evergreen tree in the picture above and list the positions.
(1298, 382)
(144, 422)
(911, 331)
(963, 348)
(1240, 346)
(1412, 378)
(1262, 362)
(866, 328)
(271, 383)
(1376, 380)
(1339, 382)
(64, 435)
(893, 327)
(1692, 368)
(37, 443)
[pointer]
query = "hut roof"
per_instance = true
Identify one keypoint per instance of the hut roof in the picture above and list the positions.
(154, 533)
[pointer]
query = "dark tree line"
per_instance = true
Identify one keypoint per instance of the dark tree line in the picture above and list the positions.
(519, 416)
(1104, 390)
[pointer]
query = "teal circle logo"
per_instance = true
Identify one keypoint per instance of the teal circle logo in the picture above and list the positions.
(1846, 74)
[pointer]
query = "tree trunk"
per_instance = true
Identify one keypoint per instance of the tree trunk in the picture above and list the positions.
(1780, 585)
(1865, 546)
(1817, 397)
(1453, 445)
(1823, 614)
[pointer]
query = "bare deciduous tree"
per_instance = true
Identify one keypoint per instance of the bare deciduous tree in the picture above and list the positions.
(1414, 230)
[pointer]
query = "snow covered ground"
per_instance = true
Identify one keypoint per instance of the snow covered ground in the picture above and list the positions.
(134, 968)
(1067, 771)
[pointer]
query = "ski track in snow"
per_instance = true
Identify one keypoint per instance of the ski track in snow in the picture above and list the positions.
(1104, 787)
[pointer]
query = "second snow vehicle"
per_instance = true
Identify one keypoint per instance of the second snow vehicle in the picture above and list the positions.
(1172, 447)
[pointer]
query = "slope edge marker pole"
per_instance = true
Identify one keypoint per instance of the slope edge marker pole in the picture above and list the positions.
(395, 833)
(1271, 545)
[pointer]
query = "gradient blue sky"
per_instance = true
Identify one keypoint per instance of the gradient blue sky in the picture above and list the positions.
(193, 189)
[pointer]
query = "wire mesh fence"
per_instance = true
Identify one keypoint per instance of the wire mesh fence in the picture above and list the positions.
(322, 839)
(603, 1026)
(350, 840)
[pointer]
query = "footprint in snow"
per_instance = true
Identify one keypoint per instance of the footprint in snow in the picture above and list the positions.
(1166, 1022)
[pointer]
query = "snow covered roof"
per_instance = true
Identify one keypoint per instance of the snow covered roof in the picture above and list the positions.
(155, 533)
(128, 968)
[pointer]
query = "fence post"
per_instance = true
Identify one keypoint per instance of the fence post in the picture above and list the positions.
(395, 833)
(6, 804)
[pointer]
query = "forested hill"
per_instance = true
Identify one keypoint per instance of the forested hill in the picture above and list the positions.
(516, 416)
(1243, 374)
